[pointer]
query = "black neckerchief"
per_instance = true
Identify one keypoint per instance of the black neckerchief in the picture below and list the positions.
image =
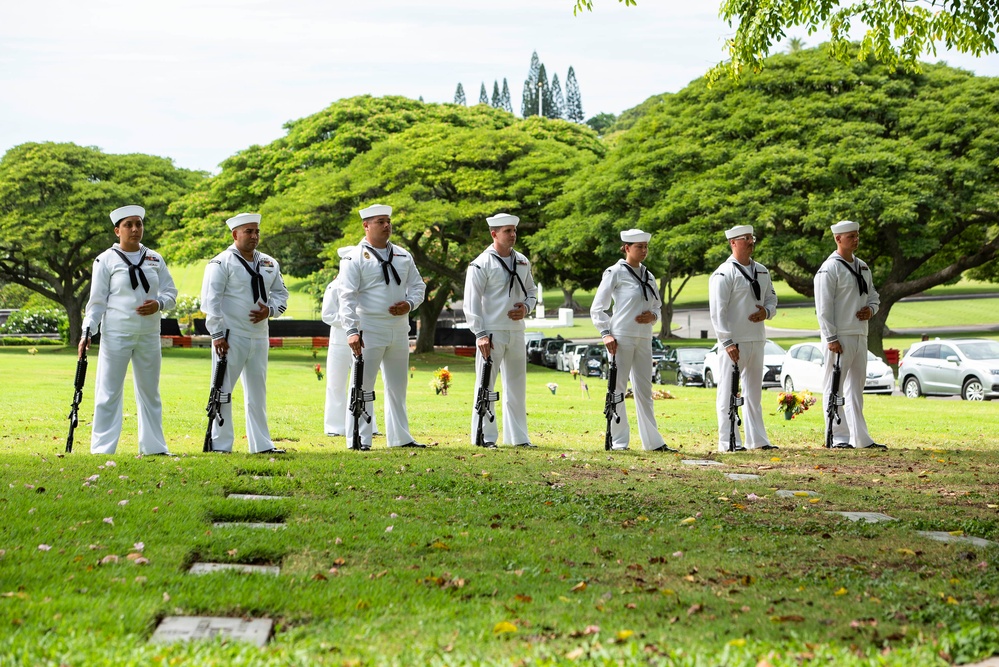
(514, 278)
(386, 263)
(861, 283)
(753, 282)
(135, 274)
(256, 280)
(643, 282)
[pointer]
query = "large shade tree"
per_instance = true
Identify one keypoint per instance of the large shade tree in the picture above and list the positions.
(913, 157)
(443, 181)
(54, 205)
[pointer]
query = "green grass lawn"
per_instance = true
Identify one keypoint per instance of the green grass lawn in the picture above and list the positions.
(908, 314)
(301, 306)
(561, 555)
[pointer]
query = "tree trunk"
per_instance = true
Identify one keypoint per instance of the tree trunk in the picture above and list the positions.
(666, 316)
(74, 312)
(430, 310)
(568, 301)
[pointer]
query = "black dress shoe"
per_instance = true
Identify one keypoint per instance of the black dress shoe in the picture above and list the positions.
(489, 445)
(365, 448)
(765, 447)
(842, 445)
(737, 449)
(664, 448)
(526, 444)
(274, 450)
(876, 445)
(414, 444)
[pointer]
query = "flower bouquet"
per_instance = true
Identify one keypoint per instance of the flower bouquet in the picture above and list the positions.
(793, 404)
(441, 381)
(319, 372)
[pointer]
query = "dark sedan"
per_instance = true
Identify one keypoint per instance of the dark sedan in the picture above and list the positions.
(681, 365)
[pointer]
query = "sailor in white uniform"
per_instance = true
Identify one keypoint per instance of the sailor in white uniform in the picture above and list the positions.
(338, 361)
(845, 299)
(627, 334)
(242, 288)
(499, 293)
(130, 285)
(379, 286)
(741, 297)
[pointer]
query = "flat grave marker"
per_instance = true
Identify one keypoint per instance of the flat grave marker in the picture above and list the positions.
(943, 536)
(785, 493)
(869, 517)
(208, 568)
(253, 496)
(701, 462)
(249, 524)
(192, 628)
(741, 476)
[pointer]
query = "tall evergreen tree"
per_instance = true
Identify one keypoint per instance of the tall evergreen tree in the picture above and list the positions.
(505, 98)
(529, 102)
(459, 96)
(558, 101)
(497, 100)
(573, 101)
(545, 91)
(483, 95)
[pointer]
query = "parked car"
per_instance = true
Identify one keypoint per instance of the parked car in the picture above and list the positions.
(682, 365)
(552, 348)
(595, 361)
(659, 350)
(773, 359)
(804, 369)
(566, 358)
(536, 351)
(965, 367)
(577, 356)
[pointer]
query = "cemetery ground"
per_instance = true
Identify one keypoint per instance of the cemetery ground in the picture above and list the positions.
(563, 554)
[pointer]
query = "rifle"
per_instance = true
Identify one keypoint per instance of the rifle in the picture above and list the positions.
(835, 400)
(611, 402)
(734, 401)
(81, 378)
(359, 399)
(484, 398)
(216, 398)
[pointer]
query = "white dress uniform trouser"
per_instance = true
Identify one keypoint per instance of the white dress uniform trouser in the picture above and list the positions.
(634, 360)
(339, 359)
(248, 361)
(116, 350)
(509, 356)
(852, 428)
(751, 385)
(389, 351)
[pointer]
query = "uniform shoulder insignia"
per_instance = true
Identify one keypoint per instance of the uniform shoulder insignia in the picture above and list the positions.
(475, 265)
(97, 261)
(864, 268)
(215, 261)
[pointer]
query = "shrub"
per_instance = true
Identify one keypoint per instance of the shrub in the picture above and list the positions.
(36, 321)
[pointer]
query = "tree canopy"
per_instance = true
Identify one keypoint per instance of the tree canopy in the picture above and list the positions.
(898, 32)
(913, 157)
(54, 206)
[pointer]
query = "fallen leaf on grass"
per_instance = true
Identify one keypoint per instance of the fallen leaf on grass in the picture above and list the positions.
(790, 618)
(689, 520)
(695, 609)
(581, 586)
(440, 545)
(110, 558)
(906, 552)
(841, 591)
(623, 635)
(504, 627)
(775, 459)
(232, 552)
(738, 642)
(109, 520)
(522, 598)
(377, 575)
(319, 576)
(955, 533)
(575, 654)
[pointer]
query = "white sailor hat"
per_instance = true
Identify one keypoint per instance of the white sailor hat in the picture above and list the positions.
(120, 214)
(344, 251)
(502, 220)
(635, 236)
(242, 219)
(737, 231)
(845, 226)
(376, 209)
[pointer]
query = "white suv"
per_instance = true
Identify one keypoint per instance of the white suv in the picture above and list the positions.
(969, 367)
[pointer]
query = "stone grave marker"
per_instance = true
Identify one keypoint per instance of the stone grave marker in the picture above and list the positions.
(192, 628)
(869, 517)
(785, 493)
(249, 524)
(208, 568)
(741, 476)
(701, 462)
(253, 496)
(943, 536)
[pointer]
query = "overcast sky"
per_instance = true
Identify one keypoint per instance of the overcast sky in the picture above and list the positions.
(198, 80)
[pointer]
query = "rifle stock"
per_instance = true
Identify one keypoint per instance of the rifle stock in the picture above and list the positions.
(734, 402)
(78, 382)
(484, 398)
(359, 399)
(216, 398)
(835, 400)
(611, 401)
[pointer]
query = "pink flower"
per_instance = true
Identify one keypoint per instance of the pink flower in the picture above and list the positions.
(44, 547)
(122, 502)
(138, 546)
(388, 529)
(109, 520)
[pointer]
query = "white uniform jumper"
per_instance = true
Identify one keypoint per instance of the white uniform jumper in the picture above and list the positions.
(370, 281)
(493, 286)
(842, 289)
(734, 292)
(233, 287)
(338, 362)
(121, 282)
(633, 291)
